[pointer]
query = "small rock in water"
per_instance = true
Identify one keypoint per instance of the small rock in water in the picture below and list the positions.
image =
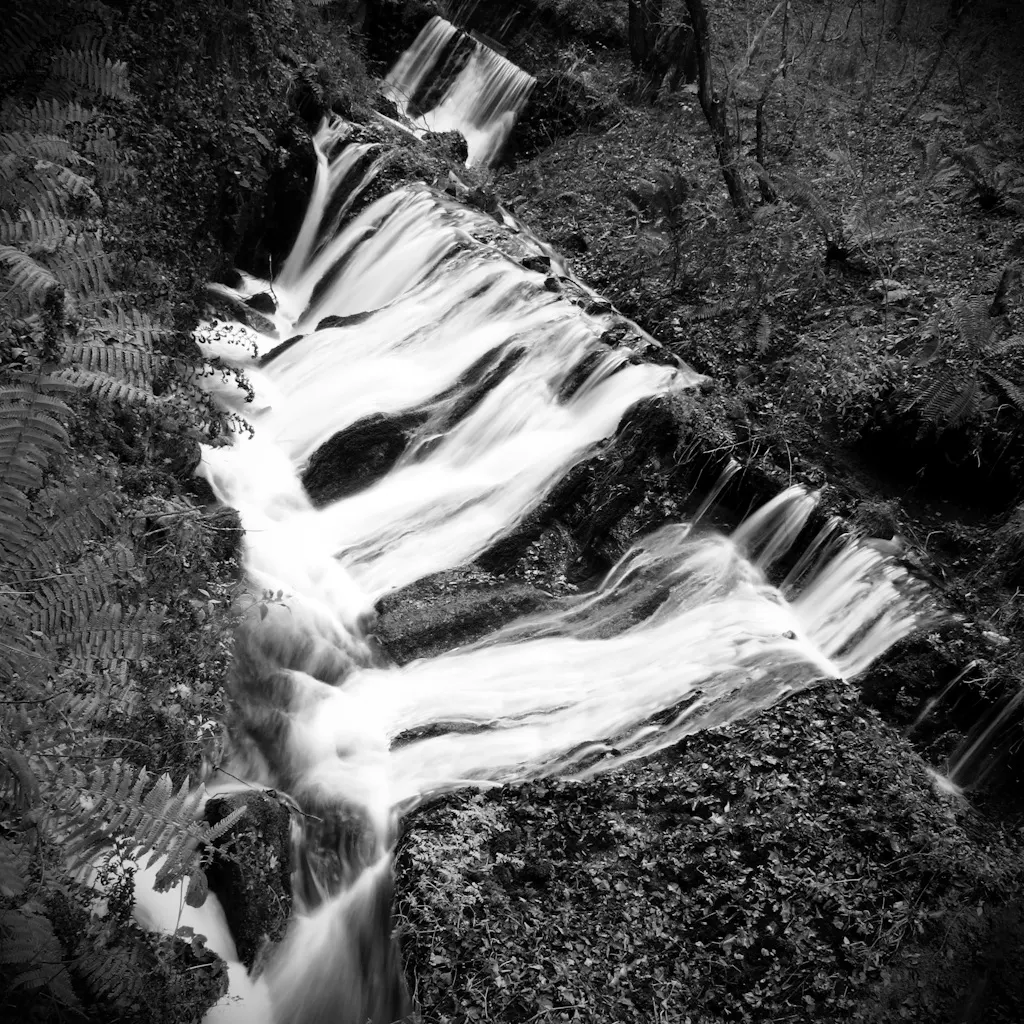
(450, 144)
(542, 264)
(348, 320)
(483, 199)
(263, 303)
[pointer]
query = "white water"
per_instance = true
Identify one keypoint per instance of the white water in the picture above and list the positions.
(685, 627)
(482, 100)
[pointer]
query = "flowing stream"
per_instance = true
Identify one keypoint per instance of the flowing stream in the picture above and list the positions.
(413, 307)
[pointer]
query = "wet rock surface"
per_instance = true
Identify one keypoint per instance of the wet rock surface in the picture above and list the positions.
(354, 458)
(251, 876)
(451, 609)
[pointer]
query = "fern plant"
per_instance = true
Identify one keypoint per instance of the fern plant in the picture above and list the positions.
(117, 800)
(32, 436)
(852, 239)
(998, 185)
(75, 626)
(966, 381)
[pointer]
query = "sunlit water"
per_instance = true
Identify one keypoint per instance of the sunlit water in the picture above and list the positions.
(411, 306)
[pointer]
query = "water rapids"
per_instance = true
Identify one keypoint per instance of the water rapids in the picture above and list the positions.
(411, 307)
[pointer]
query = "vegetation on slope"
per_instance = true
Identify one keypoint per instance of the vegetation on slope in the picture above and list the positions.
(862, 328)
(803, 866)
(121, 197)
(799, 867)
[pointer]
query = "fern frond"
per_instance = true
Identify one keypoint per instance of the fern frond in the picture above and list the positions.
(110, 162)
(42, 186)
(936, 168)
(91, 71)
(1002, 348)
(976, 327)
(13, 869)
(29, 436)
(133, 365)
(24, 30)
(108, 389)
(117, 800)
(709, 312)
(1013, 392)
(976, 163)
(35, 280)
(42, 384)
(966, 403)
(20, 528)
(182, 862)
(949, 395)
(110, 634)
(94, 513)
(37, 431)
(64, 597)
(74, 184)
(800, 193)
(131, 327)
(82, 266)
(762, 333)
(952, 399)
(41, 147)
(106, 697)
(18, 785)
(36, 232)
(9, 164)
(39, 193)
(28, 942)
(116, 974)
(53, 117)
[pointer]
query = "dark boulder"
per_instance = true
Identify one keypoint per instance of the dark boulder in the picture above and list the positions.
(357, 456)
(252, 877)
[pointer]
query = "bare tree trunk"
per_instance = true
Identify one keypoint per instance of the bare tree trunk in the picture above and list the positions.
(784, 60)
(956, 12)
(761, 137)
(726, 143)
(644, 26)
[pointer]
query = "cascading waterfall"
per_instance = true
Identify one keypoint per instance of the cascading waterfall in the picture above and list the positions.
(448, 81)
(413, 309)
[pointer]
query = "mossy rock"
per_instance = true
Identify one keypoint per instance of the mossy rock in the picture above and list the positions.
(252, 875)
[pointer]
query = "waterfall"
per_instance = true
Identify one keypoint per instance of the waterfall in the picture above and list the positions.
(448, 81)
(418, 308)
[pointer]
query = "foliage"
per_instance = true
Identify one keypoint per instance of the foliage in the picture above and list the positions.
(593, 20)
(126, 194)
(98, 412)
(998, 185)
(775, 869)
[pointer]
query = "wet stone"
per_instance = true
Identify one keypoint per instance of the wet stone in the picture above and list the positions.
(262, 303)
(451, 609)
(252, 878)
(357, 456)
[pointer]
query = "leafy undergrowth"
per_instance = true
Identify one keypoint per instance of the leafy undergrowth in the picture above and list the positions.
(140, 141)
(805, 866)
